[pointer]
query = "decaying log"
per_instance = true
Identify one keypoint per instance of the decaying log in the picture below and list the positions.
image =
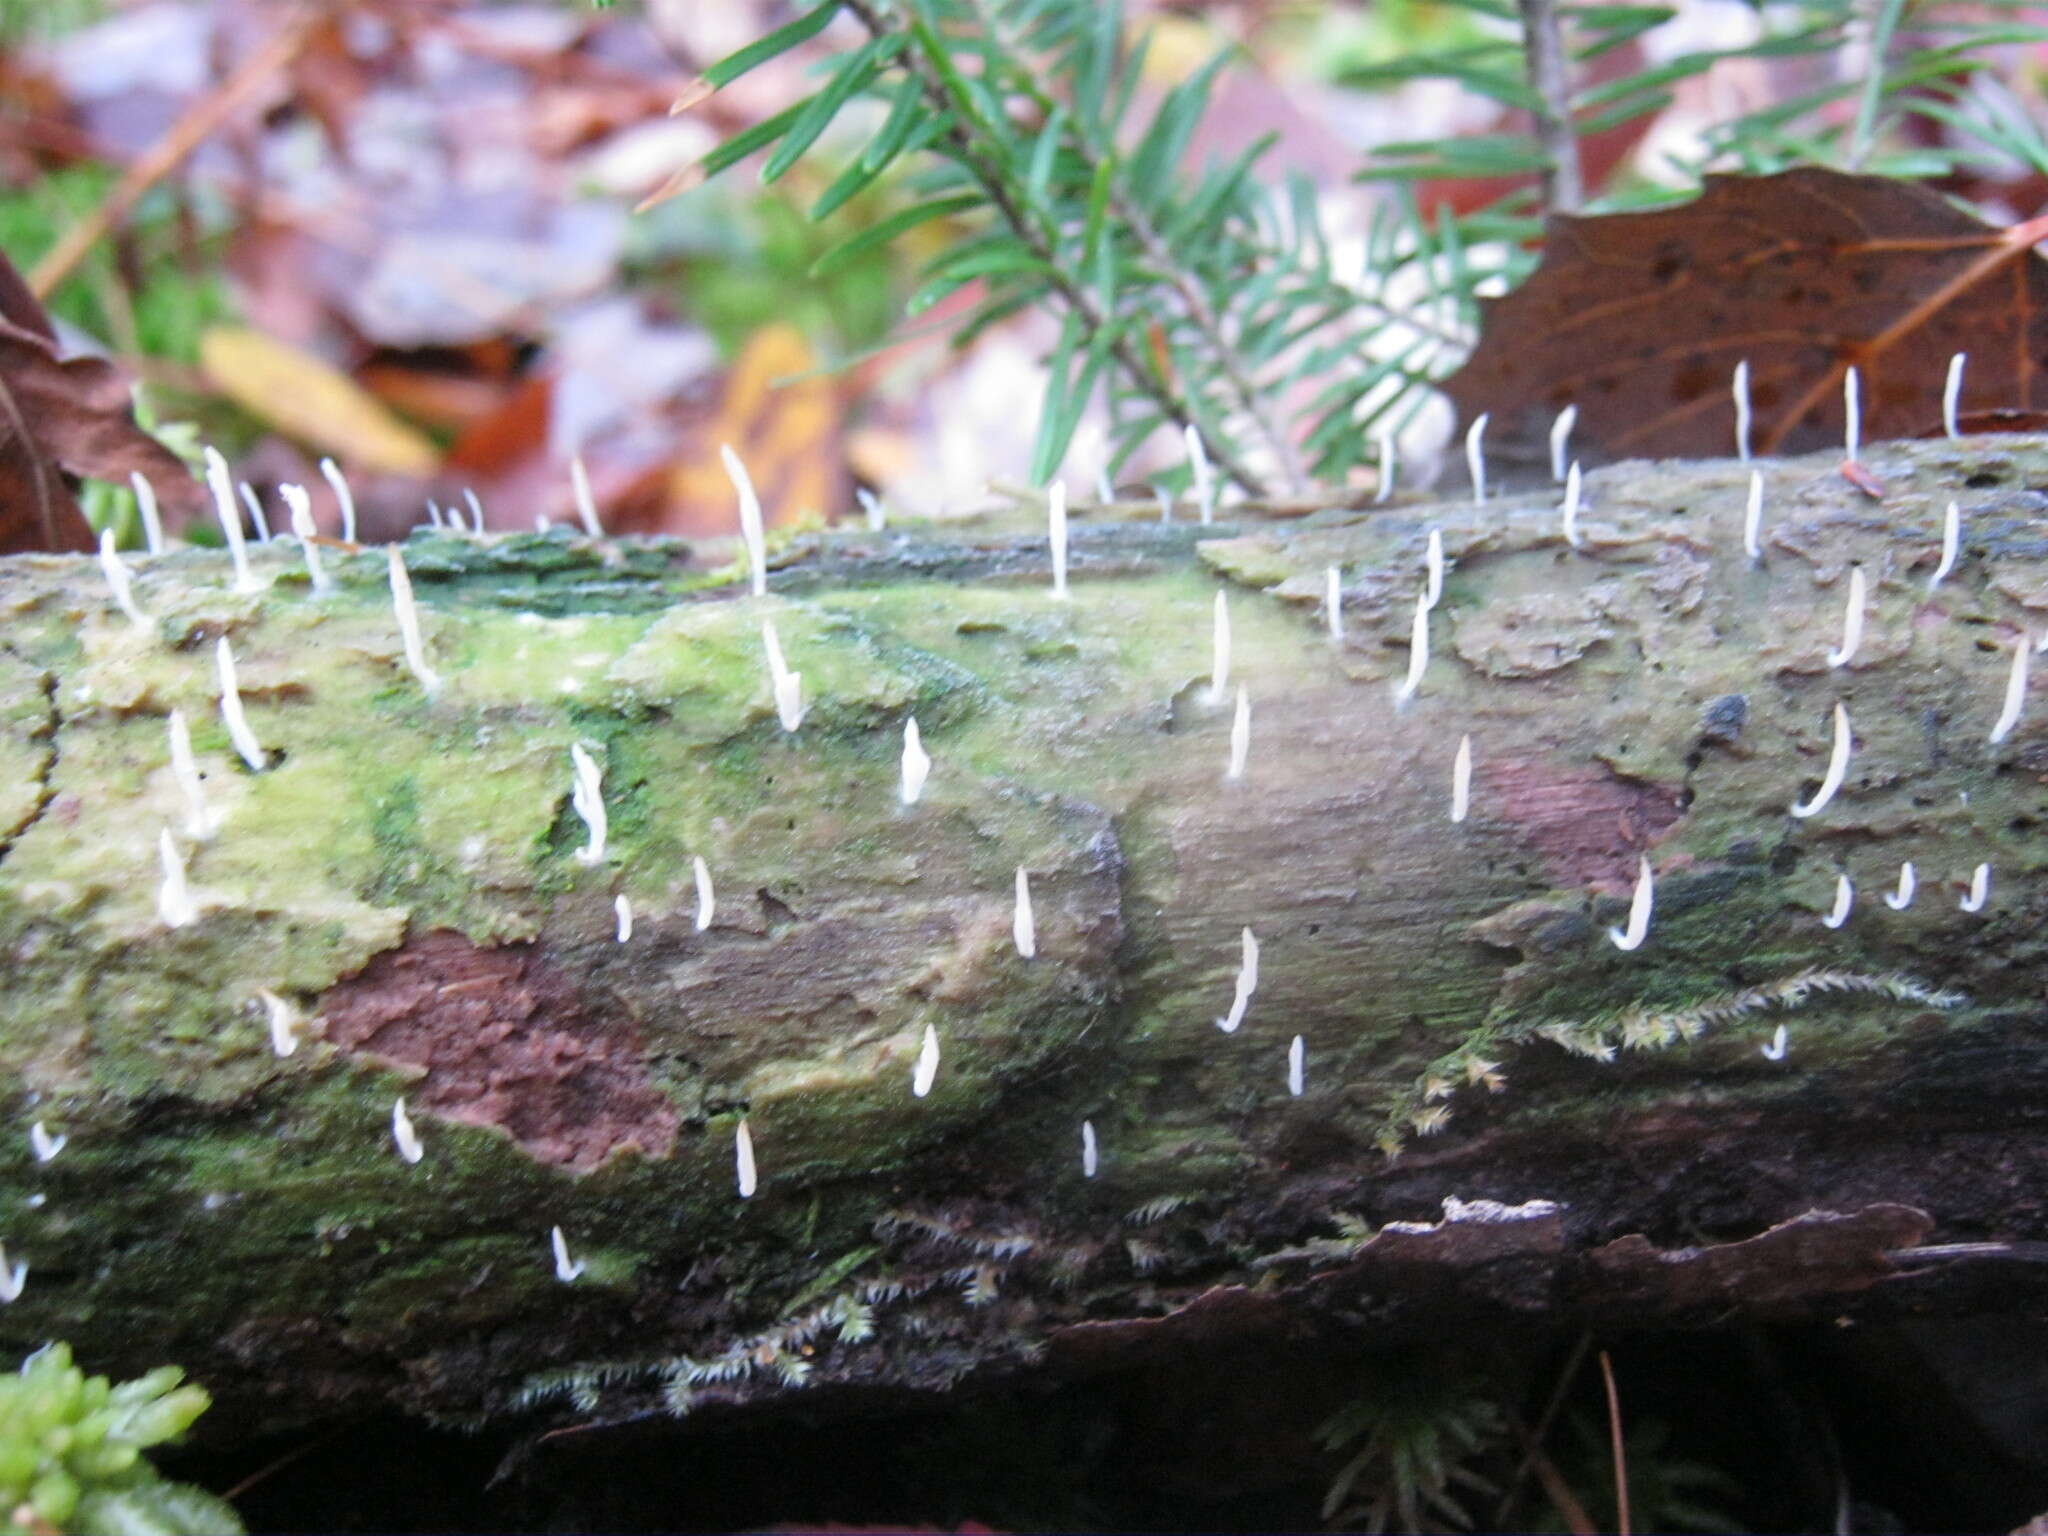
(405, 877)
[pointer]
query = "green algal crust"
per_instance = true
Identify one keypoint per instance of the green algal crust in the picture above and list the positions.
(232, 1206)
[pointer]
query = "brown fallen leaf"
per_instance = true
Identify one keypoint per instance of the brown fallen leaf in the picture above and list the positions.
(62, 418)
(1639, 319)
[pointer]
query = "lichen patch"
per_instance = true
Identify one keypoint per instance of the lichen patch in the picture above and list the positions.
(505, 1040)
(1530, 635)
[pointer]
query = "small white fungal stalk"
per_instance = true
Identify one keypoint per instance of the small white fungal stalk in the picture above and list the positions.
(1204, 477)
(117, 580)
(1852, 413)
(1753, 518)
(1164, 498)
(1433, 568)
(1475, 457)
(283, 1020)
(1902, 898)
(13, 1278)
(927, 1070)
(174, 904)
(1023, 925)
(1297, 1067)
(1219, 652)
(1952, 395)
(1639, 907)
(707, 906)
(749, 1177)
(300, 506)
(1247, 983)
(586, 795)
(199, 824)
(1418, 652)
(231, 710)
(2015, 689)
(1056, 518)
(1845, 898)
(1333, 602)
(917, 763)
(1560, 440)
(1240, 736)
(145, 507)
(1781, 1040)
(586, 504)
(403, 1136)
(1390, 465)
(257, 520)
(409, 622)
(1573, 486)
(565, 1271)
(1739, 387)
(43, 1144)
(230, 515)
(1980, 889)
(787, 686)
(751, 532)
(622, 909)
(1838, 767)
(476, 512)
(871, 504)
(1090, 1156)
(1461, 780)
(1852, 621)
(343, 498)
(1951, 541)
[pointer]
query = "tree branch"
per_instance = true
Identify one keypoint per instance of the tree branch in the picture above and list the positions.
(1543, 40)
(1135, 364)
(1220, 353)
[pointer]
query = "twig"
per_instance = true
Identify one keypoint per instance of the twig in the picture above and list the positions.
(1075, 295)
(264, 1472)
(1614, 1436)
(1564, 189)
(169, 151)
(1555, 1488)
(1535, 1437)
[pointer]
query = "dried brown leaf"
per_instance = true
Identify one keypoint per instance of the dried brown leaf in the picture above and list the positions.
(63, 418)
(1639, 319)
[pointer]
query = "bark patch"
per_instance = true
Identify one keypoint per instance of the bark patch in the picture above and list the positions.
(505, 1040)
(1819, 1253)
(1588, 824)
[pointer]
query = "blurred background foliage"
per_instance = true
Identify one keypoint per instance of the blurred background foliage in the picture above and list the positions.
(921, 247)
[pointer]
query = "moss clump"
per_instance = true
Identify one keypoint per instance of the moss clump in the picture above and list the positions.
(71, 1452)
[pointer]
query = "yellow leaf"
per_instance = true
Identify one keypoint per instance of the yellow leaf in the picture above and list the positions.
(787, 432)
(306, 399)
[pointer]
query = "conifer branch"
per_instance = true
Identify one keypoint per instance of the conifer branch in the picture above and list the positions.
(943, 92)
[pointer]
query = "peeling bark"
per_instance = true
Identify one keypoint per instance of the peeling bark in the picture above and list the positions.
(406, 876)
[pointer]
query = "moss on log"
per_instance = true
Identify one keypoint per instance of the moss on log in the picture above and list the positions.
(405, 877)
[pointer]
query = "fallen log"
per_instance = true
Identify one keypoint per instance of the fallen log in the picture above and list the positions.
(1561, 1057)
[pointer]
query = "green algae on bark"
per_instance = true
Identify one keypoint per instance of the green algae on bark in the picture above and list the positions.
(406, 874)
